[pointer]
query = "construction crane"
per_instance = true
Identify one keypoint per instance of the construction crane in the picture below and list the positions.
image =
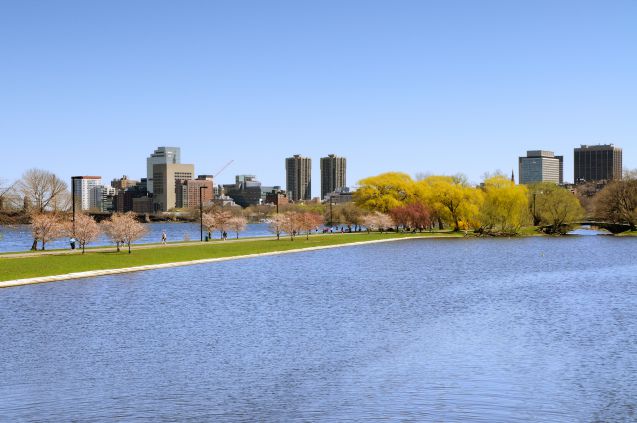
(223, 168)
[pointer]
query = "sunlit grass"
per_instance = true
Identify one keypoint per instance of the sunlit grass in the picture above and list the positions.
(59, 264)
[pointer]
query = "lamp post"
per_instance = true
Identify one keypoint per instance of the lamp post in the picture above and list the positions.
(536, 221)
(331, 216)
(534, 218)
(73, 178)
(201, 211)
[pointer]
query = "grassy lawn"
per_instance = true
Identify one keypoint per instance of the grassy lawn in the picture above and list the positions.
(627, 233)
(59, 264)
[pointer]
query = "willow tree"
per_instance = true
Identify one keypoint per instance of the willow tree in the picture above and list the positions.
(556, 207)
(384, 192)
(506, 206)
(452, 199)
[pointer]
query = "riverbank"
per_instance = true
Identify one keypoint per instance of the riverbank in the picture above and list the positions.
(30, 269)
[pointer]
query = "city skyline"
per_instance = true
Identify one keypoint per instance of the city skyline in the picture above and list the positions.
(92, 88)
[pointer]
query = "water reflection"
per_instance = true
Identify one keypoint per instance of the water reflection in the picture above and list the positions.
(537, 329)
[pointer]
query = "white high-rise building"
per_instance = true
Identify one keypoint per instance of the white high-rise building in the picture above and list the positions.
(541, 166)
(82, 190)
(162, 155)
(102, 197)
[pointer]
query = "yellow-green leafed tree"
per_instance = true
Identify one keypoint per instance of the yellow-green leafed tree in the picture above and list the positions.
(452, 199)
(555, 206)
(384, 192)
(506, 206)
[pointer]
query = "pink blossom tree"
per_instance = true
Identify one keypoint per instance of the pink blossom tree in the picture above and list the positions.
(277, 223)
(291, 224)
(237, 224)
(46, 227)
(86, 229)
(217, 220)
(308, 221)
(123, 228)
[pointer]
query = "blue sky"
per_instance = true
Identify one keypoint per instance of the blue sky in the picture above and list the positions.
(413, 86)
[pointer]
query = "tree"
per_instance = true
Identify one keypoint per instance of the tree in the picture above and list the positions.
(506, 206)
(217, 220)
(6, 193)
(277, 222)
(630, 174)
(384, 192)
(308, 221)
(420, 215)
(350, 214)
(46, 227)
(41, 189)
(291, 224)
(414, 215)
(114, 229)
(557, 207)
(123, 228)
(86, 229)
(377, 220)
(617, 203)
(452, 199)
(237, 224)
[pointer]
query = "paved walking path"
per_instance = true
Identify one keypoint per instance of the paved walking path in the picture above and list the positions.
(94, 273)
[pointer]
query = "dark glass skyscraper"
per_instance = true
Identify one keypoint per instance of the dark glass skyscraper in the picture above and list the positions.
(598, 163)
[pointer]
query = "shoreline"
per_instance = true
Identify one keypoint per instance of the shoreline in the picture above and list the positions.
(116, 271)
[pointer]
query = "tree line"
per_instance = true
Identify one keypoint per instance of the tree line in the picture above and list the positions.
(394, 200)
(497, 206)
(121, 229)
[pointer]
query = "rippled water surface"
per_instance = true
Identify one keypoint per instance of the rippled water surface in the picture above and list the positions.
(533, 329)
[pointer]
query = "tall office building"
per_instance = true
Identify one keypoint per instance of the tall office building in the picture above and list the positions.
(333, 174)
(162, 155)
(298, 177)
(102, 198)
(82, 191)
(246, 191)
(541, 166)
(165, 179)
(191, 190)
(598, 163)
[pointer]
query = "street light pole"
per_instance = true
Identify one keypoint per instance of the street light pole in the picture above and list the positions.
(73, 178)
(201, 212)
(534, 215)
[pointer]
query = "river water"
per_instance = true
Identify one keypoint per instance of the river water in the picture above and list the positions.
(18, 237)
(456, 330)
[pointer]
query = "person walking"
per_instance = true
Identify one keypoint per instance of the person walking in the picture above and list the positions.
(163, 237)
(72, 242)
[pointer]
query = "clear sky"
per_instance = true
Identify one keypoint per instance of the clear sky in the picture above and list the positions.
(92, 87)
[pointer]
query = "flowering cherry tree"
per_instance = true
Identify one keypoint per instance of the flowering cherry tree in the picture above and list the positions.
(237, 224)
(123, 228)
(86, 229)
(46, 227)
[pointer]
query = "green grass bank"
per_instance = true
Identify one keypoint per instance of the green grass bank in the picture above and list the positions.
(34, 265)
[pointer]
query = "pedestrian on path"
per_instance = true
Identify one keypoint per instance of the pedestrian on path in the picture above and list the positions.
(72, 242)
(163, 237)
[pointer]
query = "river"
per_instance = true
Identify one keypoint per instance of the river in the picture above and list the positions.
(18, 237)
(458, 330)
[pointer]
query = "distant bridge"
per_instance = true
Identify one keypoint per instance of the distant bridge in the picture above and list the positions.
(613, 228)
